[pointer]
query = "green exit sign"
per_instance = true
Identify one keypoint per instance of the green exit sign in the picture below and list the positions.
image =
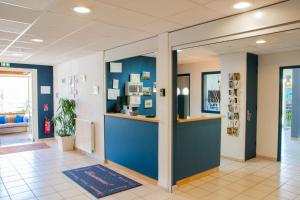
(4, 64)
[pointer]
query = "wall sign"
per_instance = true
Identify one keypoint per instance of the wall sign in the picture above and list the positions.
(233, 113)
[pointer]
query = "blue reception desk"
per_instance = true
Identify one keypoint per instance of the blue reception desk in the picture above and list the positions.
(196, 146)
(132, 141)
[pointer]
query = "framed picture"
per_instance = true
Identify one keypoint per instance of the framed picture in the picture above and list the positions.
(231, 84)
(147, 91)
(145, 76)
(230, 115)
(230, 123)
(236, 84)
(236, 116)
(230, 76)
(236, 108)
(236, 76)
(148, 103)
(231, 100)
(231, 93)
(229, 130)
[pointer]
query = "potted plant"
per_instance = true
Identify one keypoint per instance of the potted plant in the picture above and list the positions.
(64, 121)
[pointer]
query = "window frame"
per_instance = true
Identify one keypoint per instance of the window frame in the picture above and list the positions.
(202, 92)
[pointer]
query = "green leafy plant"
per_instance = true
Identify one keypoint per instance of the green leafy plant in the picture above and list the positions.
(64, 119)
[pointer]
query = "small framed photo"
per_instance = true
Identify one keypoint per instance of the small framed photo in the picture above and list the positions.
(230, 123)
(145, 76)
(236, 92)
(235, 131)
(231, 84)
(230, 115)
(230, 76)
(147, 91)
(236, 116)
(231, 100)
(231, 93)
(154, 87)
(236, 108)
(236, 84)
(235, 123)
(236, 76)
(229, 130)
(148, 103)
(237, 100)
(231, 108)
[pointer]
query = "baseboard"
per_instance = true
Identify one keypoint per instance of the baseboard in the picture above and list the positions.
(131, 172)
(266, 158)
(233, 159)
(197, 176)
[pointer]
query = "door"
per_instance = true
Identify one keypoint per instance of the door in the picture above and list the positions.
(251, 106)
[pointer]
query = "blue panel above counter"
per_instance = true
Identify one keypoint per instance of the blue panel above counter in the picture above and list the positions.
(134, 65)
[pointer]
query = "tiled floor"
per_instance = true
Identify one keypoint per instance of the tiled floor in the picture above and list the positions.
(14, 138)
(37, 175)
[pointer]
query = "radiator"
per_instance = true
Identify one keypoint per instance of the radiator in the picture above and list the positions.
(85, 135)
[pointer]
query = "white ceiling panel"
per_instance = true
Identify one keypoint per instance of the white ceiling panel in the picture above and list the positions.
(226, 6)
(7, 36)
(196, 15)
(159, 8)
(33, 4)
(12, 26)
(4, 42)
(160, 26)
(18, 14)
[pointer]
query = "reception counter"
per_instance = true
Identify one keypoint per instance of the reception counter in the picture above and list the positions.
(196, 146)
(132, 141)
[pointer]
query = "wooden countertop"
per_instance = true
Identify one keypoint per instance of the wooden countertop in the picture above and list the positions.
(200, 117)
(138, 117)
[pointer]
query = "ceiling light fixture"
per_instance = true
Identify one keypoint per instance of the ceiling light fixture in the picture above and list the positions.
(37, 40)
(258, 15)
(179, 50)
(261, 41)
(241, 5)
(82, 10)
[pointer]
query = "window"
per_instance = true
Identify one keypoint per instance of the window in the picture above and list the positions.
(14, 94)
(211, 92)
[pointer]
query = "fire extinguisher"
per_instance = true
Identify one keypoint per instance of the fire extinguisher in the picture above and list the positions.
(47, 126)
(47, 122)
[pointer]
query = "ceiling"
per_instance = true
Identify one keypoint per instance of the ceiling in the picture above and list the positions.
(277, 42)
(111, 23)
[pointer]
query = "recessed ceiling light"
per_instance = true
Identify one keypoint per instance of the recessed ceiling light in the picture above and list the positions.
(261, 41)
(241, 5)
(258, 14)
(82, 10)
(37, 40)
(179, 50)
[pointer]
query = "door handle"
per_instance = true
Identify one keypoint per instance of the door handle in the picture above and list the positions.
(248, 115)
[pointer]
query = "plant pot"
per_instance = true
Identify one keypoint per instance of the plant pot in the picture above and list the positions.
(66, 143)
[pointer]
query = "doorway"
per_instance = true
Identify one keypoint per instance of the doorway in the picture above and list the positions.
(289, 115)
(18, 102)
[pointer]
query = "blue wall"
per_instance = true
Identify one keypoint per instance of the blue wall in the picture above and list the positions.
(196, 148)
(133, 144)
(44, 78)
(134, 65)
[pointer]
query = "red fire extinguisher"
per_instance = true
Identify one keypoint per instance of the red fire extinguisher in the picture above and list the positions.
(47, 126)
(47, 122)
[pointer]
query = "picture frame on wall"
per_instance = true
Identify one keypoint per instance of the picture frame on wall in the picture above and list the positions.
(148, 103)
(147, 91)
(145, 76)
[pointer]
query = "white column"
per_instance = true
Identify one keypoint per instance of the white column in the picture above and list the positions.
(164, 111)
(102, 93)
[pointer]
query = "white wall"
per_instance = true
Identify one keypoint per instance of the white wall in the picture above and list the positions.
(89, 106)
(232, 146)
(268, 99)
(195, 70)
